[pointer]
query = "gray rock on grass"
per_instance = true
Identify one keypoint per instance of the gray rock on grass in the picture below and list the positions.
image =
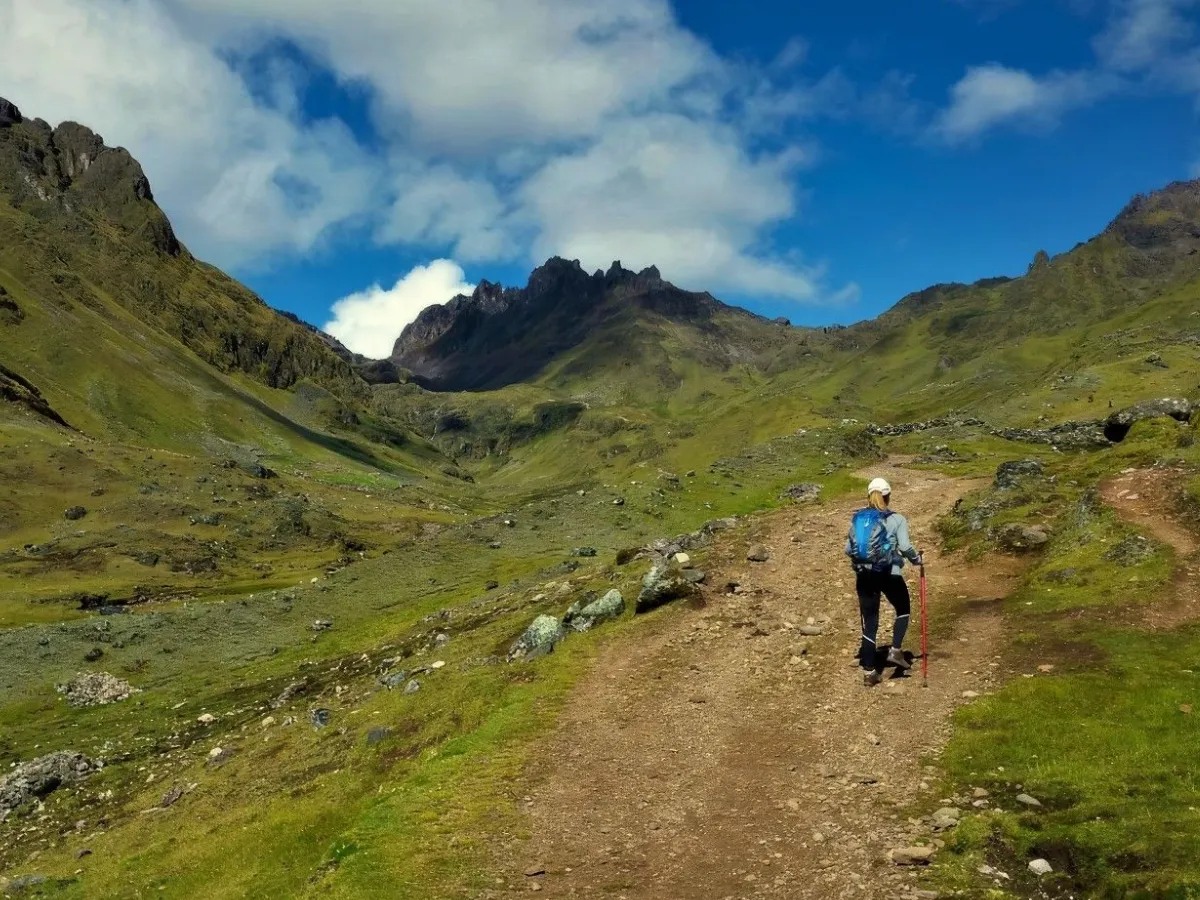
(585, 616)
(539, 639)
(664, 583)
(42, 776)
(96, 689)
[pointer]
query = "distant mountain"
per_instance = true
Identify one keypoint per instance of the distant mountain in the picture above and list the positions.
(500, 336)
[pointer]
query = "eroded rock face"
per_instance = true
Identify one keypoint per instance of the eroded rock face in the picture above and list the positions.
(42, 776)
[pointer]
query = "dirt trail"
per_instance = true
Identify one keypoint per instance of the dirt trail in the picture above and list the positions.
(1147, 499)
(723, 754)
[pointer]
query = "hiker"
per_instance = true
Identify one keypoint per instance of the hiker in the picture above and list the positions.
(878, 545)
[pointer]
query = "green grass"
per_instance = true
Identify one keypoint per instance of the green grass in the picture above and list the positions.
(1111, 756)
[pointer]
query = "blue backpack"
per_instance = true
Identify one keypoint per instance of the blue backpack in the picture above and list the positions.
(871, 547)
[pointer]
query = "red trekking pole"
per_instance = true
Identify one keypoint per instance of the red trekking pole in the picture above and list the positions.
(924, 634)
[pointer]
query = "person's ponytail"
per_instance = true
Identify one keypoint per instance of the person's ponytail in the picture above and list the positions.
(878, 500)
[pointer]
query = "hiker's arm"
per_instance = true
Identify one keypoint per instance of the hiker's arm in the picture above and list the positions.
(904, 544)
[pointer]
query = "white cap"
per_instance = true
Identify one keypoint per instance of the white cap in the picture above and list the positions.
(878, 484)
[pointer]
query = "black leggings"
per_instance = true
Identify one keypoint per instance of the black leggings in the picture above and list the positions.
(870, 585)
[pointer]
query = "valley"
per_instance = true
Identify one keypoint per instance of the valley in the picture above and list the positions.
(310, 571)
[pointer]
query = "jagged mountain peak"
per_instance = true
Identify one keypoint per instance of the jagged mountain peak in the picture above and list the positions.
(69, 169)
(502, 334)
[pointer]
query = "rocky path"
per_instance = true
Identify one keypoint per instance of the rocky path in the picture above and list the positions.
(726, 754)
(1146, 498)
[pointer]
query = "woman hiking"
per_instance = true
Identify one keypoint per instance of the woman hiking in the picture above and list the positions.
(878, 545)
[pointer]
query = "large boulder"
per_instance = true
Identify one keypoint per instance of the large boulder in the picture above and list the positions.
(539, 638)
(1010, 474)
(42, 776)
(664, 583)
(584, 616)
(1117, 426)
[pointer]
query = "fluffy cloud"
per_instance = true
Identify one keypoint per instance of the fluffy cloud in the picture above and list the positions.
(500, 132)
(369, 321)
(992, 95)
(1143, 34)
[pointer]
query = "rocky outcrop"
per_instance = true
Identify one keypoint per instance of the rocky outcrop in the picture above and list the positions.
(71, 168)
(1117, 426)
(1011, 474)
(1017, 538)
(37, 778)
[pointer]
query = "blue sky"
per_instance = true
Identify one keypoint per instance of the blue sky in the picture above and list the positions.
(815, 161)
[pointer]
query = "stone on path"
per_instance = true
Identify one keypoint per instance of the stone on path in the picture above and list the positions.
(758, 553)
(912, 856)
(945, 818)
(664, 583)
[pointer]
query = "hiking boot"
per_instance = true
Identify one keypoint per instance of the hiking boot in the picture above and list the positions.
(870, 679)
(896, 658)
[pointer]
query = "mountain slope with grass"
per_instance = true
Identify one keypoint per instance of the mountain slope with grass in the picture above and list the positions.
(268, 629)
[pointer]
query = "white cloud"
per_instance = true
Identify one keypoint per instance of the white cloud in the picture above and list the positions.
(1145, 33)
(481, 110)
(241, 180)
(369, 321)
(991, 95)
(671, 192)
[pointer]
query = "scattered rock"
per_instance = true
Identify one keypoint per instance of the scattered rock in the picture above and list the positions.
(1130, 551)
(663, 584)
(293, 689)
(171, 797)
(412, 687)
(1018, 538)
(980, 793)
(912, 856)
(218, 756)
(393, 679)
(587, 616)
(93, 655)
(1010, 474)
(695, 576)
(206, 719)
(682, 559)
(970, 695)
(319, 717)
(1040, 867)
(945, 818)
(42, 776)
(758, 553)
(803, 493)
(584, 552)
(811, 630)
(96, 689)
(1026, 800)
(899, 430)
(322, 625)
(491, 585)
(75, 513)
(539, 639)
